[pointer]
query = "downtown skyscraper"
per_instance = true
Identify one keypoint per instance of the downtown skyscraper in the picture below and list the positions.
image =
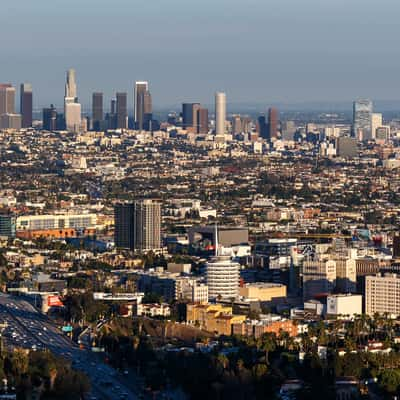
(72, 109)
(143, 107)
(97, 110)
(122, 110)
(273, 120)
(220, 113)
(362, 119)
(26, 104)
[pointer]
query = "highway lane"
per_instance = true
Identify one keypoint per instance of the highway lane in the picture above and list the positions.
(30, 329)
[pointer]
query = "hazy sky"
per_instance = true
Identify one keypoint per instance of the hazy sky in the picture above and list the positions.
(258, 51)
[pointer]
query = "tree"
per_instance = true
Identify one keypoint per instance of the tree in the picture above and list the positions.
(390, 380)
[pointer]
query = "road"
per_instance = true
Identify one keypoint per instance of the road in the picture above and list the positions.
(28, 328)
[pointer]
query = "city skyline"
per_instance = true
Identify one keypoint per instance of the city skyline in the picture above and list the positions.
(261, 53)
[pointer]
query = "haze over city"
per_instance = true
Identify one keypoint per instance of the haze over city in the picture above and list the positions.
(259, 52)
(199, 200)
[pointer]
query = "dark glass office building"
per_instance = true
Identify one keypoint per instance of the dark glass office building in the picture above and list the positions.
(122, 110)
(26, 104)
(97, 110)
(50, 118)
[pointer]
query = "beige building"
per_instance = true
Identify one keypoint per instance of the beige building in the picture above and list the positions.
(346, 276)
(319, 277)
(382, 294)
(263, 291)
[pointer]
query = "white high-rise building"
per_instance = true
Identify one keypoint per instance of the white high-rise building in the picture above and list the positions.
(222, 277)
(72, 109)
(147, 225)
(220, 113)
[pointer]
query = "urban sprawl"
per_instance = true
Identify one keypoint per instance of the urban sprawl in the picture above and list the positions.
(198, 254)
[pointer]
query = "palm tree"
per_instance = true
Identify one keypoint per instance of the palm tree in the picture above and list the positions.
(268, 344)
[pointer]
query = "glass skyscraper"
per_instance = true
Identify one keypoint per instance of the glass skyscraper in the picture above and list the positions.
(362, 118)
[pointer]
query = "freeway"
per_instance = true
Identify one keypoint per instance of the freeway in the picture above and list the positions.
(28, 328)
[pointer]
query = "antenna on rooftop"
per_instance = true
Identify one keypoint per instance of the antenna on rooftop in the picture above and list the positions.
(216, 239)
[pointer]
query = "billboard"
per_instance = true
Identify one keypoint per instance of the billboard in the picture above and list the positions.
(54, 301)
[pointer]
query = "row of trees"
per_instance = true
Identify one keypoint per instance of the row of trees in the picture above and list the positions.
(42, 375)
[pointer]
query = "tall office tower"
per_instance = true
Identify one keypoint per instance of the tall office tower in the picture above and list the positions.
(262, 127)
(362, 117)
(202, 120)
(273, 119)
(189, 119)
(123, 222)
(70, 86)
(236, 124)
(222, 276)
(147, 225)
(113, 106)
(147, 111)
(141, 87)
(73, 119)
(7, 99)
(220, 113)
(376, 122)
(26, 104)
(50, 118)
(122, 110)
(288, 130)
(10, 121)
(97, 110)
(72, 109)
(319, 277)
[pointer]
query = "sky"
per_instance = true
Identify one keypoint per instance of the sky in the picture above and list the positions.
(257, 51)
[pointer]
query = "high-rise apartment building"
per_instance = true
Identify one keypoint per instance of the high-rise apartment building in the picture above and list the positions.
(97, 110)
(273, 120)
(26, 104)
(147, 225)
(362, 117)
(220, 113)
(382, 294)
(138, 225)
(124, 222)
(122, 110)
(143, 103)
